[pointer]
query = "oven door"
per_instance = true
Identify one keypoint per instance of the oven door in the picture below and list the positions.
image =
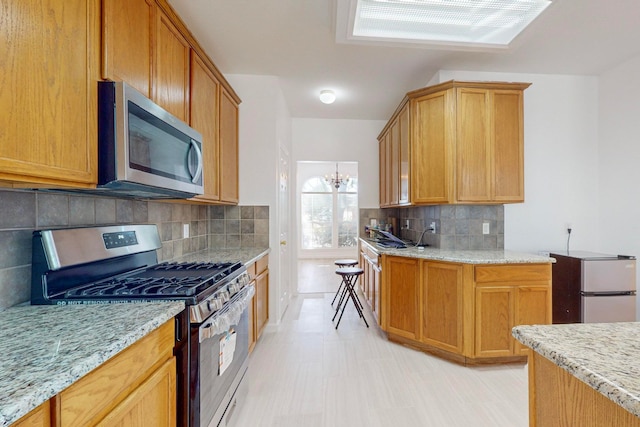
(222, 362)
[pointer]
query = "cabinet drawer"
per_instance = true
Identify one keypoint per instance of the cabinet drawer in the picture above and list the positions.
(512, 273)
(93, 396)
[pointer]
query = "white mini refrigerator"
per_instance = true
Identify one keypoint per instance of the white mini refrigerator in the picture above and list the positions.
(592, 287)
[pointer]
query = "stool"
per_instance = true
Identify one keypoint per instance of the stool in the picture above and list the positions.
(349, 278)
(348, 262)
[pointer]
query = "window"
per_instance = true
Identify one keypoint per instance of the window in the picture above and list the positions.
(329, 216)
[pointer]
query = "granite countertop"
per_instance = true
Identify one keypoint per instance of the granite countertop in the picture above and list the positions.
(244, 255)
(44, 349)
(603, 355)
(496, 256)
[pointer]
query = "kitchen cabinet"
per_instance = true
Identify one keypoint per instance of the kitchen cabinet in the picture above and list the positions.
(441, 289)
(394, 161)
(460, 311)
(370, 279)
(48, 97)
(557, 398)
(507, 296)
(259, 309)
(171, 68)
(228, 162)
(400, 289)
(465, 144)
(137, 387)
(128, 29)
(39, 417)
(205, 89)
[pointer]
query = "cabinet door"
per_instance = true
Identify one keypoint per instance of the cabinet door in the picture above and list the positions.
(431, 148)
(383, 156)
(507, 120)
(532, 307)
(473, 146)
(153, 403)
(39, 417)
(171, 71)
(262, 302)
(394, 163)
(403, 119)
(375, 284)
(442, 316)
(494, 320)
(48, 96)
(127, 42)
(204, 118)
(401, 277)
(228, 148)
(252, 322)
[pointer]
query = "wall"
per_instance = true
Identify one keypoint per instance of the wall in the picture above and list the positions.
(265, 127)
(561, 162)
(619, 157)
(22, 212)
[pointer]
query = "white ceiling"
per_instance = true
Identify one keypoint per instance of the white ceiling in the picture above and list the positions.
(295, 40)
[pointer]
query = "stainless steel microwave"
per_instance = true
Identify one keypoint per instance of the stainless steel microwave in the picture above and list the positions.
(143, 150)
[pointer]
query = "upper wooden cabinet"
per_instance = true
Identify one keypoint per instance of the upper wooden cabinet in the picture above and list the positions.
(171, 68)
(127, 42)
(465, 144)
(228, 148)
(48, 96)
(205, 94)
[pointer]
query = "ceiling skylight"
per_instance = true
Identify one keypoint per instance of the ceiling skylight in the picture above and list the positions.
(491, 23)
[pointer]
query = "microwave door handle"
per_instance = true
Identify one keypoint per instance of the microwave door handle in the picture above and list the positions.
(196, 175)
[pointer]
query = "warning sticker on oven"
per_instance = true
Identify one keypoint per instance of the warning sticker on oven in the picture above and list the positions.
(227, 348)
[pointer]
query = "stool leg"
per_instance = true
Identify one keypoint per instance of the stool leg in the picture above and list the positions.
(337, 292)
(356, 300)
(343, 295)
(350, 282)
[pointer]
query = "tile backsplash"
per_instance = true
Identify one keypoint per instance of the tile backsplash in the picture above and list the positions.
(22, 212)
(457, 227)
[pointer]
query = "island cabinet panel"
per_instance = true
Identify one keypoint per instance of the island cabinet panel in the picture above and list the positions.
(442, 305)
(138, 380)
(402, 279)
(370, 280)
(171, 68)
(48, 96)
(128, 29)
(39, 417)
(558, 399)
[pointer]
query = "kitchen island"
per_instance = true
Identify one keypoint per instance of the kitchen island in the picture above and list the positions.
(47, 349)
(460, 305)
(583, 374)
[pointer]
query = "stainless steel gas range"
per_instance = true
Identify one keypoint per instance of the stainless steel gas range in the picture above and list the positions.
(118, 264)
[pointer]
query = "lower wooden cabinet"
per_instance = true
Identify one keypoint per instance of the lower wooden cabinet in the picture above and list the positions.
(39, 417)
(461, 311)
(137, 387)
(401, 296)
(442, 314)
(259, 309)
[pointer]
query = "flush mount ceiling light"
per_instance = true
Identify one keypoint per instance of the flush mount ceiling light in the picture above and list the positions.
(488, 23)
(327, 96)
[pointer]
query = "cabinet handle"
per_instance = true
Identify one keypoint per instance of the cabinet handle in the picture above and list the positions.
(283, 242)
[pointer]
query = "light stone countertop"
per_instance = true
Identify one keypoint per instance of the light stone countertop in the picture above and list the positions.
(603, 355)
(496, 256)
(244, 255)
(45, 349)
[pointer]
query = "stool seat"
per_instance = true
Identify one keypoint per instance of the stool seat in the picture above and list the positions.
(346, 262)
(349, 271)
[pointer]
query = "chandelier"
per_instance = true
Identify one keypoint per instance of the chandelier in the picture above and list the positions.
(336, 179)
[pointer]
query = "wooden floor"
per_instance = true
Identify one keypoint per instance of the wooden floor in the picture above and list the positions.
(308, 374)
